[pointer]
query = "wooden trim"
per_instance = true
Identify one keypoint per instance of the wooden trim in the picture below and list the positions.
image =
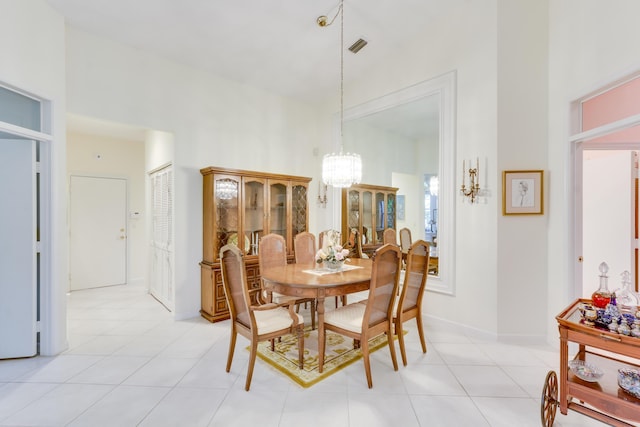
(239, 172)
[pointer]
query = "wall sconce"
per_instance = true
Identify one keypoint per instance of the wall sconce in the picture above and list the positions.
(473, 190)
(322, 194)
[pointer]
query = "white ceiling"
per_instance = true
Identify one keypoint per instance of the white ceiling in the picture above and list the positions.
(275, 45)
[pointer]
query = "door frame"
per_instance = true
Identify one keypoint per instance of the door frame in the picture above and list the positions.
(48, 320)
(580, 142)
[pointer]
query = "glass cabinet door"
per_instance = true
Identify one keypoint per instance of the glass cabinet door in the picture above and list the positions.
(254, 206)
(227, 213)
(380, 217)
(353, 213)
(299, 209)
(391, 211)
(278, 208)
(367, 217)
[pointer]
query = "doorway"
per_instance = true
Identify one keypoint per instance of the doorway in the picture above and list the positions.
(606, 120)
(98, 233)
(609, 204)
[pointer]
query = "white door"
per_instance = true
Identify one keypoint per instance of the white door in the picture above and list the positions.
(98, 232)
(608, 216)
(18, 273)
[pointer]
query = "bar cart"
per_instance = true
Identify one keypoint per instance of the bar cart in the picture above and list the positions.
(601, 399)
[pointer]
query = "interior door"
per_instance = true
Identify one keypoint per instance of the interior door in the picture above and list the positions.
(609, 216)
(98, 237)
(18, 257)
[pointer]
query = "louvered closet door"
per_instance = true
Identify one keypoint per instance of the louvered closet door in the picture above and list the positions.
(161, 250)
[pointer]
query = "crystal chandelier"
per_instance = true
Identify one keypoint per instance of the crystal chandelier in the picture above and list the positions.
(226, 189)
(340, 169)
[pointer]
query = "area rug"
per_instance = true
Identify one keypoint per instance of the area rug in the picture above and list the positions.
(339, 353)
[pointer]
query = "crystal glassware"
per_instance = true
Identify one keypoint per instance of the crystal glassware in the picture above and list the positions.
(602, 296)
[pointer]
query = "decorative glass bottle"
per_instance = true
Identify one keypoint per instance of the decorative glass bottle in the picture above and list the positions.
(602, 296)
(627, 299)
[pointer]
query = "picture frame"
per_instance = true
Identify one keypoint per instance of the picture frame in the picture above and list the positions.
(523, 192)
(400, 210)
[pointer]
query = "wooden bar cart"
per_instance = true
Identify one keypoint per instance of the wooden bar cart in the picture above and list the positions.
(603, 399)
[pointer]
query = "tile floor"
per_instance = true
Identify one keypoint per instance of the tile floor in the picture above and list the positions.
(130, 364)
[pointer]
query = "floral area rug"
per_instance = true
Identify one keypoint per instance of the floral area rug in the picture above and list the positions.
(339, 353)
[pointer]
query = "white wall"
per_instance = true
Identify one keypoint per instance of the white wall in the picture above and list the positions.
(123, 159)
(522, 135)
(464, 41)
(590, 43)
(214, 122)
(32, 42)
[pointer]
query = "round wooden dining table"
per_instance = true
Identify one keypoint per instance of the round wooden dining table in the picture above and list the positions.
(307, 281)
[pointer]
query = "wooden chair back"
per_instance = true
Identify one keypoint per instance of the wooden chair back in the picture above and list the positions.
(272, 251)
(415, 277)
(354, 244)
(235, 285)
(405, 239)
(385, 274)
(389, 237)
(304, 245)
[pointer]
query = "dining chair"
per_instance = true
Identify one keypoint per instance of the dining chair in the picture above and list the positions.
(405, 243)
(389, 236)
(354, 244)
(304, 246)
(405, 239)
(257, 323)
(367, 319)
(272, 252)
(409, 305)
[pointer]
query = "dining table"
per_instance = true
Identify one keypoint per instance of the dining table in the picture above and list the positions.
(314, 281)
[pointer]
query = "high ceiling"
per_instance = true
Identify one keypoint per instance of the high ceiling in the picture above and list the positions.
(275, 45)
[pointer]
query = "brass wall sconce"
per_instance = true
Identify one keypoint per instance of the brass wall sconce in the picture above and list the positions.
(473, 190)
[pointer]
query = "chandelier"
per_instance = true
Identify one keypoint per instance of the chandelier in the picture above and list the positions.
(340, 169)
(226, 189)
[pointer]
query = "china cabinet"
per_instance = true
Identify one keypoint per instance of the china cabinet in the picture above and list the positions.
(239, 207)
(370, 209)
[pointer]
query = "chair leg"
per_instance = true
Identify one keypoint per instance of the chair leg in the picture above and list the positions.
(313, 314)
(252, 362)
(398, 332)
(301, 345)
(392, 347)
(232, 346)
(421, 332)
(364, 347)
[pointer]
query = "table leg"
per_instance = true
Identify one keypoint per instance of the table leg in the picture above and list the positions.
(320, 308)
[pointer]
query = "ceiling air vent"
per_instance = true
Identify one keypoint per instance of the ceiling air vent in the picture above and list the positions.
(359, 44)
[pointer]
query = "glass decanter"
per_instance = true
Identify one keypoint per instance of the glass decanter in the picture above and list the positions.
(627, 299)
(602, 296)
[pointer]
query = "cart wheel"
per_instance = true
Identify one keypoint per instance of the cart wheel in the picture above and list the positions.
(549, 400)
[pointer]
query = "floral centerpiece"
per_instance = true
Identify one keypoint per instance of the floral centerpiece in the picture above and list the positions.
(333, 256)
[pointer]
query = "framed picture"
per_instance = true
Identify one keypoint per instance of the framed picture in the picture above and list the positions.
(401, 208)
(523, 192)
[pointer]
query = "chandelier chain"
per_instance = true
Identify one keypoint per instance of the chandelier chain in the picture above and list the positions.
(341, 74)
